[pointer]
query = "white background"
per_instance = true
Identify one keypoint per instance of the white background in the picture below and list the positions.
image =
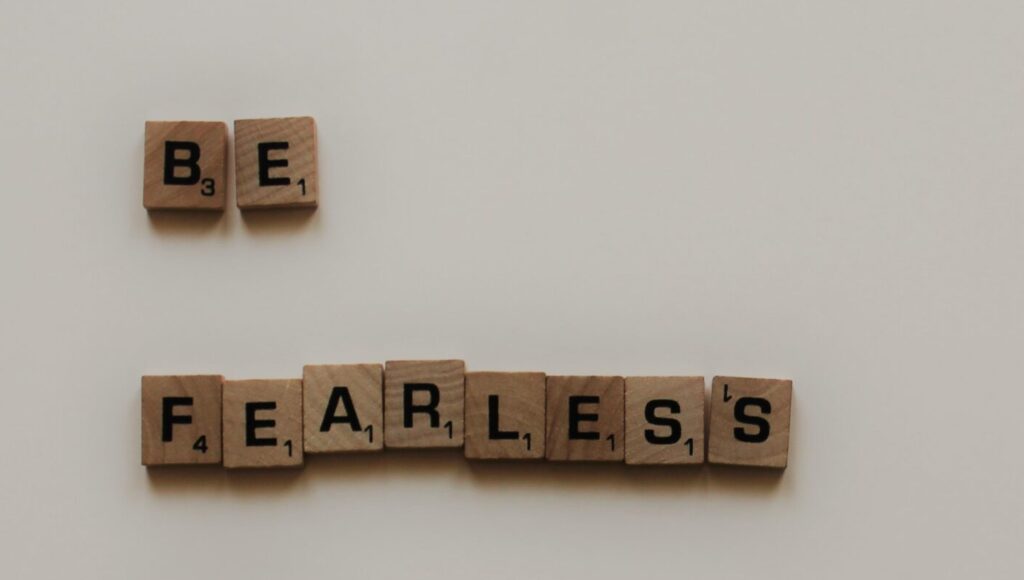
(817, 190)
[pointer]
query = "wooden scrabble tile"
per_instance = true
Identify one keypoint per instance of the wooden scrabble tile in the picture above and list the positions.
(505, 415)
(423, 403)
(185, 165)
(343, 408)
(181, 419)
(750, 422)
(263, 423)
(275, 163)
(664, 420)
(585, 418)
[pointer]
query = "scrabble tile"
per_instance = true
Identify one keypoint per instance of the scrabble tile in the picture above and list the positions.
(263, 423)
(585, 418)
(343, 408)
(185, 165)
(275, 163)
(505, 415)
(181, 419)
(750, 422)
(423, 403)
(664, 420)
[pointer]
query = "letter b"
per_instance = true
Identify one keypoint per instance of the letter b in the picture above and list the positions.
(172, 163)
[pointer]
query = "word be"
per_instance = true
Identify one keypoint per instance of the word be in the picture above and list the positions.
(198, 419)
(186, 164)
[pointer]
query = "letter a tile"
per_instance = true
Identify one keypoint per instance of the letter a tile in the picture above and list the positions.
(343, 408)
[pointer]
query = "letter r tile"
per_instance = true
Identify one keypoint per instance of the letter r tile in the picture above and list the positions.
(423, 403)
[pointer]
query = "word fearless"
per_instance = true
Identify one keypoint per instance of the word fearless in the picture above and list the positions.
(200, 419)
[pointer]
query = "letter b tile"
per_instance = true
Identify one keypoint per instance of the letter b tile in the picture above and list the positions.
(185, 165)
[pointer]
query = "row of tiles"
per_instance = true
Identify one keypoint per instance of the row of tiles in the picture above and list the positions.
(186, 164)
(200, 419)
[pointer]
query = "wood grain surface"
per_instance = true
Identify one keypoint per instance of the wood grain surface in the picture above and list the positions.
(267, 434)
(749, 422)
(209, 192)
(355, 420)
(677, 406)
(519, 399)
(599, 408)
(290, 176)
(445, 429)
(193, 398)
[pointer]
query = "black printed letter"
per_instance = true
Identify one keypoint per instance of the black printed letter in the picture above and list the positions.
(252, 424)
(675, 430)
(266, 163)
(170, 418)
(494, 432)
(350, 415)
(171, 162)
(575, 417)
(430, 408)
(740, 412)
